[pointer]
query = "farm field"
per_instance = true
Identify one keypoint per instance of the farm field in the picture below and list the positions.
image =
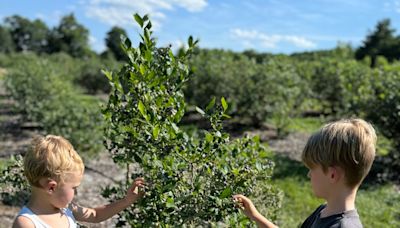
(200, 125)
(290, 176)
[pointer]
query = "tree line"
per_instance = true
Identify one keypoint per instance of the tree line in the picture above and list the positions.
(19, 34)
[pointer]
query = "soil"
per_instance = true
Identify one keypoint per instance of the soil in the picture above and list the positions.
(15, 136)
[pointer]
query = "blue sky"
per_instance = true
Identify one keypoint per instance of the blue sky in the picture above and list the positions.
(276, 26)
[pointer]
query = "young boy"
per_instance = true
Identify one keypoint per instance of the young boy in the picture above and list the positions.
(338, 156)
(54, 171)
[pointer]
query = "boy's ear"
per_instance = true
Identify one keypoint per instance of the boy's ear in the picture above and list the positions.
(48, 184)
(335, 174)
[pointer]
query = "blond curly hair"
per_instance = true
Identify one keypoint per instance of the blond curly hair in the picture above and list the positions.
(51, 157)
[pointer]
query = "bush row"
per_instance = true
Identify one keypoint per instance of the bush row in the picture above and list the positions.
(44, 94)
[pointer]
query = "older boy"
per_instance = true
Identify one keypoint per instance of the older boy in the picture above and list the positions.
(339, 156)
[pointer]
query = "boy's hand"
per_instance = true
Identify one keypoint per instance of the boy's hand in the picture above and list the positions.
(246, 205)
(136, 191)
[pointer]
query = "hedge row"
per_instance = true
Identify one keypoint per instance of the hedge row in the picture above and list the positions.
(44, 94)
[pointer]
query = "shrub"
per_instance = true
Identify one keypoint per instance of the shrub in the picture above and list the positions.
(91, 78)
(257, 92)
(341, 86)
(44, 96)
(191, 180)
(383, 110)
(14, 189)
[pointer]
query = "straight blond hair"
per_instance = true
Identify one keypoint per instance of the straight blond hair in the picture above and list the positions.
(349, 144)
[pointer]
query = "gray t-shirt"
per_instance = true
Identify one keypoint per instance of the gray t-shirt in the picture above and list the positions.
(347, 219)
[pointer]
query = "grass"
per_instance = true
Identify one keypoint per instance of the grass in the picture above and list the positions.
(306, 125)
(377, 205)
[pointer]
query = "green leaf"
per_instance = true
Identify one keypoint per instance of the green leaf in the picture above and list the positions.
(142, 109)
(148, 56)
(138, 19)
(147, 39)
(142, 70)
(175, 127)
(226, 116)
(226, 193)
(259, 166)
(148, 26)
(108, 74)
(171, 55)
(224, 104)
(190, 41)
(263, 154)
(156, 132)
(210, 104)
(170, 202)
(209, 137)
(127, 42)
(199, 110)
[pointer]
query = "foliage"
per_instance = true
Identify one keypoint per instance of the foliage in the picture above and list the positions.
(342, 51)
(341, 87)
(14, 189)
(190, 179)
(91, 78)
(384, 111)
(386, 99)
(27, 35)
(6, 42)
(257, 92)
(113, 42)
(45, 96)
(381, 41)
(70, 37)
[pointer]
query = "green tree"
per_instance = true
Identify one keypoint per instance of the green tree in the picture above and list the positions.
(28, 35)
(6, 41)
(70, 37)
(381, 41)
(113, 42)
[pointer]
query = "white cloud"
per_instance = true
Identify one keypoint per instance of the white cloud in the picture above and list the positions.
(92, 40)
(119, 12)
(52, 18)
(96, 45)
(397, 6)
(40, 16)
(192, 5)
(270, 41)
(393, 5)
